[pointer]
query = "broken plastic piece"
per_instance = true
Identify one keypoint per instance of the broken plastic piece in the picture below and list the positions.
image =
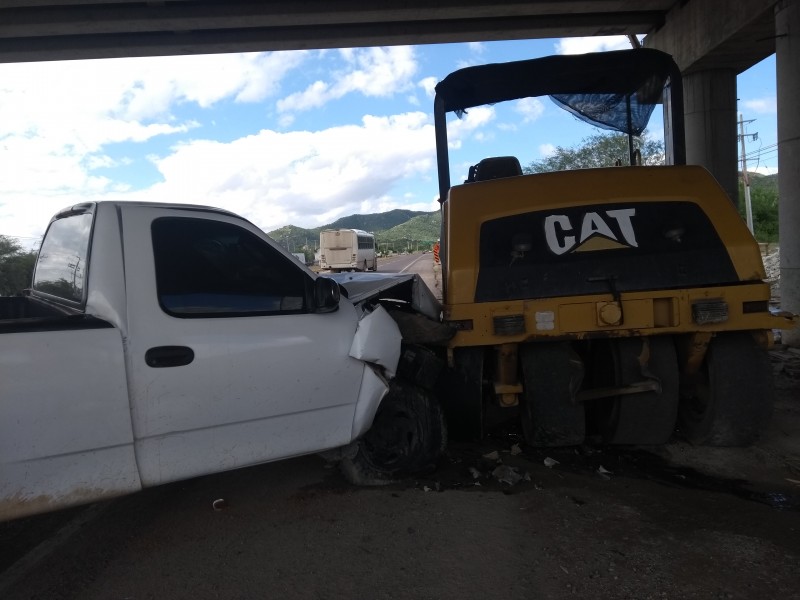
(506, 474)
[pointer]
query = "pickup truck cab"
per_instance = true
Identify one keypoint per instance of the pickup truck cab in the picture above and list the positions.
(161, 342)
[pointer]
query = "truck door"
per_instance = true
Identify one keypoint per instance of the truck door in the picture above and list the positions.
(228, 365)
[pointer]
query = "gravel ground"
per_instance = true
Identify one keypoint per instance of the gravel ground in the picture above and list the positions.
(638, 523)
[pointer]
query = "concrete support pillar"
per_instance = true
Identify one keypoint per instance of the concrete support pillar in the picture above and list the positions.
(710, 114)
(787, 60)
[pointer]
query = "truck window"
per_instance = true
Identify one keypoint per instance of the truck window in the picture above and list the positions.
(207, 268)
(61, 267)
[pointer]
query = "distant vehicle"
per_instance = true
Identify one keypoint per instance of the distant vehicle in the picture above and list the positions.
(347, 250)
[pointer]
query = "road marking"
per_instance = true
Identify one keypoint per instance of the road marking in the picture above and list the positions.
(421, 256)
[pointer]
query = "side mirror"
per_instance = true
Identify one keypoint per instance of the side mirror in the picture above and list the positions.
(326, 295)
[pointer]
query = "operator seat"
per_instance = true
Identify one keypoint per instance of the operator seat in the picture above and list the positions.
(495, 167)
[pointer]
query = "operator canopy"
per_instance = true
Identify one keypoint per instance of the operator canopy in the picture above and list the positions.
(612, 90)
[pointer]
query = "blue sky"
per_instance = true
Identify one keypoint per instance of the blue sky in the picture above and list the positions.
(281, 138)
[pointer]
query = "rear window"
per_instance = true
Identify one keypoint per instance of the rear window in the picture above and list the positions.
(63, 258)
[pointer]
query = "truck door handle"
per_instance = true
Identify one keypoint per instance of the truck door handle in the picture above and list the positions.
(168, 356)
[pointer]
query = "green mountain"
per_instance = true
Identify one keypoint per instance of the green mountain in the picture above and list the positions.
(768, 183)
(424, 227)
(375, 222)
(396, 229)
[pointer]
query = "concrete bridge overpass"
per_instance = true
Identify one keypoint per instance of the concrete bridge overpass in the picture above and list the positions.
(711, 40)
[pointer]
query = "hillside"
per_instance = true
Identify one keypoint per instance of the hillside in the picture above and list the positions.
(768, 183)
(395, 229)
(424, 227)
(376, 221)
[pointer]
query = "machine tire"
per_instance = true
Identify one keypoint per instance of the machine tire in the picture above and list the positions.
(408, 435)
(463, 394)
(732, 402)
(646, 418)
(552, 374)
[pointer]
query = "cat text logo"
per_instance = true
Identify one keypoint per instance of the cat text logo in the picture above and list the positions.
(602, 230)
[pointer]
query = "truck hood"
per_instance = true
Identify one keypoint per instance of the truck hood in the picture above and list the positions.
(406, 287)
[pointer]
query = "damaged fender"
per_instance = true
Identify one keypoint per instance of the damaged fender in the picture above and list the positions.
(377, 343)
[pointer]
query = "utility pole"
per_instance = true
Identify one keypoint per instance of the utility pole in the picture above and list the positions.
(747, 205)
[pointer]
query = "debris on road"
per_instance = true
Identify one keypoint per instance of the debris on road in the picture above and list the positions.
(603, 472)
(506, 474)
(550, 462)
(219, 504)
(785, 360)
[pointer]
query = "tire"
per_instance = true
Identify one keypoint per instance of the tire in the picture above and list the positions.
(462, 393)
(732, 402)
(407, 437)
(552, 374)
(646, 418)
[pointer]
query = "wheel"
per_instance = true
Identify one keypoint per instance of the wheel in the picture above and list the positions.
(732, 401)
(647, 417)
(407, 436)
(552, 374)
(462, 393)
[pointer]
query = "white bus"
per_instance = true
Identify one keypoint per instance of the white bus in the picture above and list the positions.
(347, 250)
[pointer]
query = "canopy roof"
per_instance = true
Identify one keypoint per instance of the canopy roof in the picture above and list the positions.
(615, 90)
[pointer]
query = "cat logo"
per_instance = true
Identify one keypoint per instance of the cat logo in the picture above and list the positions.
(596, 232)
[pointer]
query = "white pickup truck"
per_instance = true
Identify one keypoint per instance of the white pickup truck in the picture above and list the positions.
(160, 342)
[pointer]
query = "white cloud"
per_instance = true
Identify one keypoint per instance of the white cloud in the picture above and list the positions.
(763, 170)
(57, 120)
(477, 47)
(305, 178)
(600, 43)
(546, 150)
(373, 72)
(460, 129)
(764, 106)
(530, 109)
(429, 85)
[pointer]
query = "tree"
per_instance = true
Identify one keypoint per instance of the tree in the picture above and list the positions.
(764, 202)
(16, 267)
(599, 150)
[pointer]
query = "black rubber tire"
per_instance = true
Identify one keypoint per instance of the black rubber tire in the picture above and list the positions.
(732, 402)
(408, 436)
(463, 395)
(647, 418)
(552, 374)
